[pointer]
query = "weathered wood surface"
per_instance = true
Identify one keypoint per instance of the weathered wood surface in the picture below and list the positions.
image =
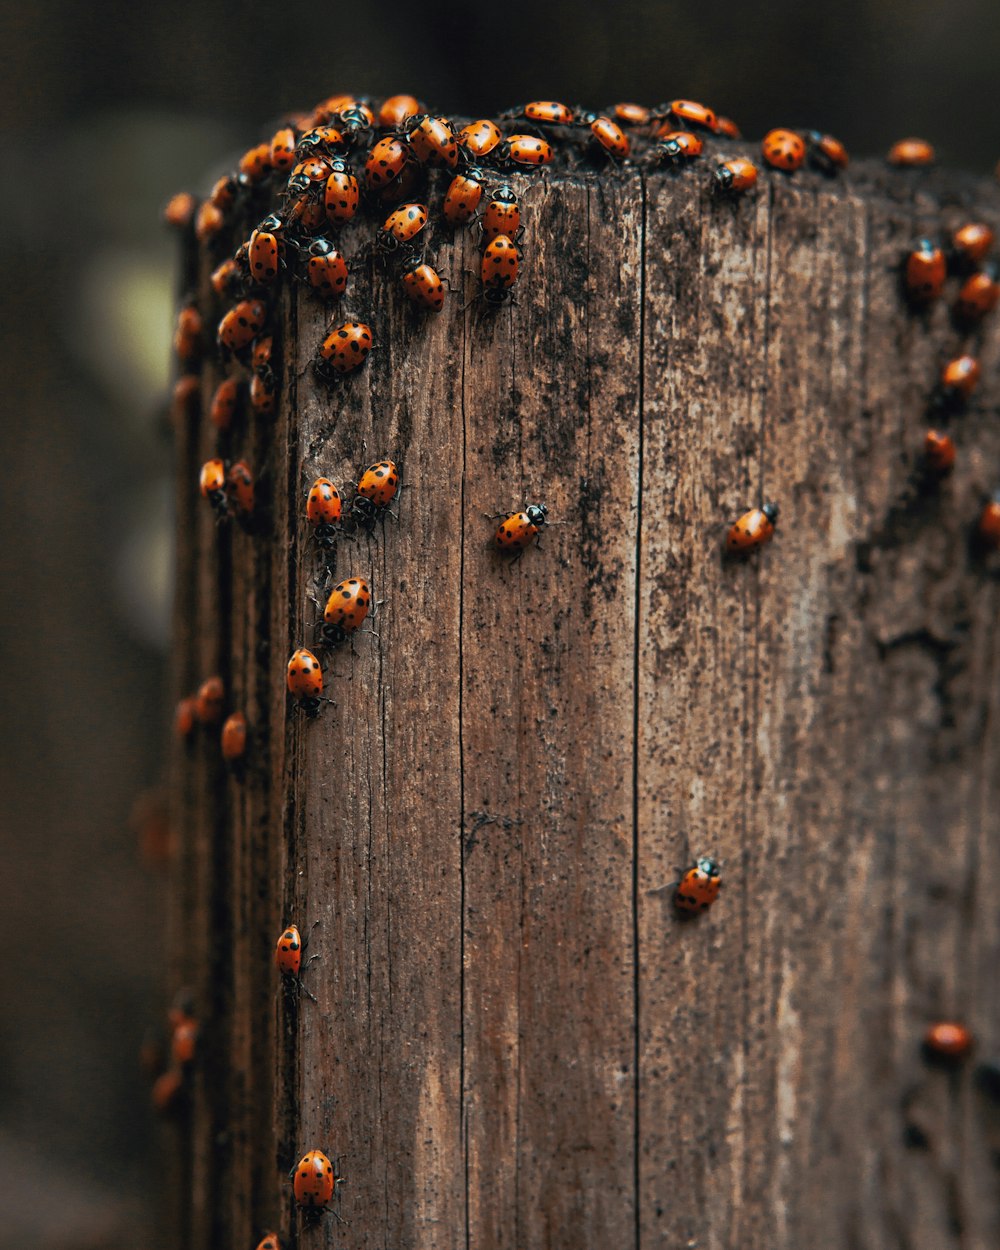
(517, 1045)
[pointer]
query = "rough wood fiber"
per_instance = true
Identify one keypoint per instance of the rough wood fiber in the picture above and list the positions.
(517, 1044)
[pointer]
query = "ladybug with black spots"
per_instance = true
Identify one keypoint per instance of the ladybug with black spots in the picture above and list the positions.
(924, 272)
(377, 488)
(518, 530)
(734, 177)
(698, 889)
(288, 959)
(752, 530)
(324, 508)
(784, 150)
(212, 483)
(498, 269)
(346, 610)
(422, 284)
(502, 215)
(304, 679)
(344, 349)
(314, 1183)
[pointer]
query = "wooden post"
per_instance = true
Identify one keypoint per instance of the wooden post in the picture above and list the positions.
(517, 1045)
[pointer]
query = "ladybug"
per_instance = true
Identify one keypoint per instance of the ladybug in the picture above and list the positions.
(167, 1090)
(256, 164)
(180, 210)
(209, 700)
(398, 109)
(925, 272)
(282, 151)
(783, 149)
(308, 175)
(288, 952)
(401, 226)
(326, 268)
(263, 394)
(405, 186)
(315, 1181)
(269, 1242)
(263, 254)
(321, 140)
(939, 451)
(675, 146)
(959, 378)
(502, 215)
(947, 1040)
(187, 336)
(482, 138)
(970, 243)
(631, 114)
(727, 128)
(989, 523)
(386, 162)
(752, 529)
(423, 285)
(825, 152)
(224, 192)
(978, 296)
(734, 177)
(549, 111)
(323, 510)
(698, 889)
(208, 221)
(342, 194)
(432, 140)
(527, 150)
(241, 325)
(186, 398)
(687, 113)
(225, 278)
(498, 268)
(260, 357)
(376, 489)
(346, 610)
(305, 681)
(463, 195)
(184, 1043)
(346, 348)
(910, 153)
(224, 403)
(355, 121)
(234, 737)
(184, 716)
(338, 105)
(212, 482)
(239, 484)
(608, 137)
(516, 531)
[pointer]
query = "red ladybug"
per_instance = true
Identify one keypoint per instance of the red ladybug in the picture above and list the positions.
(675, 146)
(528, 150)
(180, 210)
(240, 486)
(502, 214)
(225, 403)
(687, 113)
(241, 325)
(726, 127)
(187, 336)
(939, 451)
(947, 1040)
(255, 165)
(261, 356)
(753, 529)
(699, 887)
(463, 195)
(978, 296)
(283, 149)
(432, 140)
(734, 177)
(323, 510)
(212, 483)
(304, 679)
(971, 243)
(326, 268)
(959, 378)
(925, 272)
(346, 610)
(631, 114)
(315, 1181)
(346, 348)
(386, 162)
(224, 192)
(269, 1242)
(910, 153)
(825, 152)
(263, 394)
(321, 141)
(209, 700)
(608, 137)
(783, 149)
(184, 1043)
(264, 252)
(481, 138)
(401, 226)
(167, 1090)
(342, 194)
(208, 221)
(225, 278)
(515, 532)
(234, 737)
(309, 175)
(398, 109)
(376, 489)
(498, 268)
(422, 285)
(549, 111)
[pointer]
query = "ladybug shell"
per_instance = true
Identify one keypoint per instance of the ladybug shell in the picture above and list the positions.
(379, 483)
(212, 478)
(631, 114)
(736, 175)
(208, 221)
(315, 169)
(347, 347)
(689, 144)
(783, 149)
(224, 403)
(187, 336)
(433, 141)
(527, 150)
(263, 395)
(348, 604)
(910, 152)
(324, 506)
(406, 222)
(502, 215)
(972, 242)
(260, 357)
(960, 377)
(385, 162)
(751, 530)
(549, 111)
(516, 532)
(180, 210)
(462, 199)
(283, 149)
(270, 1242)
(925, 271)
(989, 524)
(424, 287)
(397, 109)
(304, 677)
(288, 953)
(327, 138)
(611, 137)
(239, 482)
(263, 256)
(225, 277)
(314, 1180)
(699, 887)
(342, 194)
(209, 699)
(167, 1089)
(978, 296)
(939, 449)
(234, 736)
(693, 113)
(184, 1042)
(949, 1040)
(480, 138)
(184, 717)
(328, 273)
(256, 163)
(828, 153)
(499, 265)
(726, 127)
(224, 193)
(241, 325)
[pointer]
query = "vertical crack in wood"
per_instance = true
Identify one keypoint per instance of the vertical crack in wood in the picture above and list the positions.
(463, 1127)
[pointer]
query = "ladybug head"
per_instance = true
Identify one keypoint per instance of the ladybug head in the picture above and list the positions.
(536, 513)
(708, 866)
(270, 224)
(320, 247)
(771, 510)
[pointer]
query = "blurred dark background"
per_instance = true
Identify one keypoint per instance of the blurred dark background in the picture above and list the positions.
(108, 108)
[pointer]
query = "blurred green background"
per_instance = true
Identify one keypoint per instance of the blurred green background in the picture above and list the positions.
(108, 108)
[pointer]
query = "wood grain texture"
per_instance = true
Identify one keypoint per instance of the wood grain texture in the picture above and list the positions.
(517, 1045)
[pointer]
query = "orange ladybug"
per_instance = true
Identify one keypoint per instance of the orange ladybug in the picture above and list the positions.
(282, 151)
(699, 887)
(498, 268)
(241, 325)
(734, 177)
(989, 523)
(978, 296)
(422, 284)
(263, 252)
(502, 214)
(432, 140)
(185, 716)
(346, 348)
(783, 149)
(939, 451)
(212, 483)
(675, 146)
(925, 272)
(527, 150)
(209, 700)
(239, 484)
(208, 221)
(401, 226)
(959, 378)
(910, 153)
(269, 1242)
(315, 1181)
(398, 109)
(480, 138)
(180, 210)
(516, 531)
(608, 137)
(688, 113)
(185, 402)
(970, 243)
(727, 128)
(187, 336)
(386, 162)
(547, 111)
(326, 268)
(167, 1090)
(263, 393)
(225, 278)
(346, 610)
(342, 194)
(826, 153)
(305, 681)
(947, 1040)
(378, 485)
(225, 403)
(631, 114)
(323, 510)
(752, 529)
(256, 163)
(234, 737)
(463, 195)
(184, 1042)
(288, 952)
